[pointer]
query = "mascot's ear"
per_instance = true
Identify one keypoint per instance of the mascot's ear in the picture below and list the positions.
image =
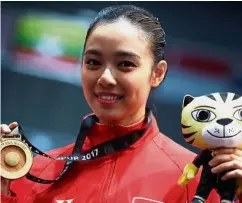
(186, 100)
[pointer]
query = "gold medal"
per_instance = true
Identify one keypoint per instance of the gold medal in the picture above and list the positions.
(16, 156)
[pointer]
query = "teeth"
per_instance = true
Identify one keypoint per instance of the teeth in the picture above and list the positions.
(109, 97)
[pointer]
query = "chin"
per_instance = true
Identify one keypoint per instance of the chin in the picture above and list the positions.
(108, 116)
(109, 120)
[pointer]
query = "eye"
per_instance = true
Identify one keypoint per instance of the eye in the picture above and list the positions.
(126, 64)
(93, 62)
(238, 114)
(203, 115)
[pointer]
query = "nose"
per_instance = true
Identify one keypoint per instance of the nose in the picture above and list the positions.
(224, 121)
(107, 78)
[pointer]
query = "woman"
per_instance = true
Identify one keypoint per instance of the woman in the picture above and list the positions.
(123, 60)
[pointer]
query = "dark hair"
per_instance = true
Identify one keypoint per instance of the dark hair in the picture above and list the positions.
(139, 17)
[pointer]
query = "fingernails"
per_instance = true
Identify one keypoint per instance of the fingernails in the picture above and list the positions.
(214, 170)
(14, 124)
(223, 178)
(210, 163)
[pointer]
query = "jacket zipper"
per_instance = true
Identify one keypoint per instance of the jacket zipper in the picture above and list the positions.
(107, 183)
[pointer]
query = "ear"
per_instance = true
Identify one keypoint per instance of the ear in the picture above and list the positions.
(186, 100)
(159, 73)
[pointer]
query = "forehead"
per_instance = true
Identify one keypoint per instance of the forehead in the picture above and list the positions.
(121, 27)
(121, 33)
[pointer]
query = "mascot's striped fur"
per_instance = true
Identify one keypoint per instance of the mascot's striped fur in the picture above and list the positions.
(209, 122)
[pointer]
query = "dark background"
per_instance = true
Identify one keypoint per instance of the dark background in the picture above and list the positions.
(51, 110)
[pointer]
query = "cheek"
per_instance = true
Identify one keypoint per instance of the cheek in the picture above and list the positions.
(84, 81)
(88, 83)
(136, 86)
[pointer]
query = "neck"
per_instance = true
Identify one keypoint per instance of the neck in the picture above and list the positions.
(127, 125)
(101, 132)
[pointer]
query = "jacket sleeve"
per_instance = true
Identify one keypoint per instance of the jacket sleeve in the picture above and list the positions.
(23, 192)
(9, 199)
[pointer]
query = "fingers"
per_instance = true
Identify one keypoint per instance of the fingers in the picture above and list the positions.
(13, 125)
(235, 164)
(5, 181)
(5, 129)
(222, 158)
(227, 159)
(227, 151)
(237, 173)
(5, 185)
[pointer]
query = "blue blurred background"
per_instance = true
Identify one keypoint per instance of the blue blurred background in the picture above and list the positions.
(41, 43)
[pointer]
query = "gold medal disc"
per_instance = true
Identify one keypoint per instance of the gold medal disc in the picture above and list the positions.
(16, 159)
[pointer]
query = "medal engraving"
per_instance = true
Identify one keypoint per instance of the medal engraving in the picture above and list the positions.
(16, 156)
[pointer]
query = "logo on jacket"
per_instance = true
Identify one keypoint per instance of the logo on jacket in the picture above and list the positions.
(65, 201)
(144, 200)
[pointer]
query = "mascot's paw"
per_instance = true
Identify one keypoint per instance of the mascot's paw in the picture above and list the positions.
(189, 172)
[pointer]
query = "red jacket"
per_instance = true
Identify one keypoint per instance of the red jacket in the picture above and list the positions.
(145, 172)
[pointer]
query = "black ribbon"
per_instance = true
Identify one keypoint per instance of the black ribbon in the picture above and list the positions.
(98, 151)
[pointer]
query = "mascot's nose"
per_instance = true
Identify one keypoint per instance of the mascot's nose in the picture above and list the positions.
(224, 121)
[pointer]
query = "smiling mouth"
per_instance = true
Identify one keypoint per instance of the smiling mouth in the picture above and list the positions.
(107, 99)
(224, 135)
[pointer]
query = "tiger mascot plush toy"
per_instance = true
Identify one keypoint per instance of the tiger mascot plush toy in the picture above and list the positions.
(209, 122)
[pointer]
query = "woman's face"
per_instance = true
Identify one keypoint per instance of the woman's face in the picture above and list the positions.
(116, 73)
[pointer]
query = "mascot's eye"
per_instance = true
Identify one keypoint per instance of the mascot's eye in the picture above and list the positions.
(238, 114)
(203, 115)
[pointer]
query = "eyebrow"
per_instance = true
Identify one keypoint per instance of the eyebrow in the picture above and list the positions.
(205, 107)
(126, 53)
(237, 106)
(93, 51)
(118, 53)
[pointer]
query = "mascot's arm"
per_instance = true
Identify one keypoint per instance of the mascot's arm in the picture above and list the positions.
(202, 158)
(191, 169)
